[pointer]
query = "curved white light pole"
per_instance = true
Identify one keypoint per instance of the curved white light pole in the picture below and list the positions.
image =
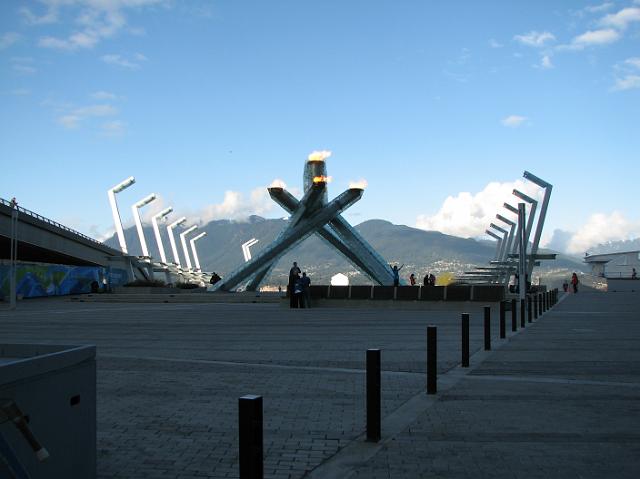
(505, 234)
(111, 193)
(184, 244)
(135, 209)
(541, 217)
(510, 239)
(498, 245)
(245, 248)
(193, 249)
(156, 231)
(172, 240)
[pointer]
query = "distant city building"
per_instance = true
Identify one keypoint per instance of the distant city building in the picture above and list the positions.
(614, 265)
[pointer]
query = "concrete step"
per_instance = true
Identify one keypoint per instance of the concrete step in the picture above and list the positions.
(245, 297)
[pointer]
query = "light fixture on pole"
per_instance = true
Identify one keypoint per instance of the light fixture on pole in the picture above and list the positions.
(541, 217)
(193, 249)
(156, 231)
(184, 244)
(135, 209)
(172, 240)
(111, 193)
(245, 248)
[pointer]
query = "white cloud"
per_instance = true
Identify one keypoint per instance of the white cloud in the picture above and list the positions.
(23, 65)
(97, 20)
(113, 128)
(73, 118)
(104, 95)
(130, 63)
(50, 16)
(622, 19)
(627, 82)
(7, 39)
(495, 44)
(601, 228)
(545, 63)
(599, 8)
(469, 215)
(535, 39)
(633, 62)
(595, 37)
(23, 69)
(627, 74)
(514, 121)
(20, 92)
(236, 207)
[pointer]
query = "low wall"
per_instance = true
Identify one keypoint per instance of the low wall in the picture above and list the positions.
(620, 285)
(336, 294)
(55, 387)
(42, 279)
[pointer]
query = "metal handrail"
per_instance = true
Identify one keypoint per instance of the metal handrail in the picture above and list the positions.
(48, 221)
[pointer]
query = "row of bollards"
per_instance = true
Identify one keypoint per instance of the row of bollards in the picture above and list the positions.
(250, 420)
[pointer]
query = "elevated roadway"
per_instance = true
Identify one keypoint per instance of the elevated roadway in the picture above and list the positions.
(43, 240)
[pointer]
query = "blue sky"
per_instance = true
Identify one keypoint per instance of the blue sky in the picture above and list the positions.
(439, 106)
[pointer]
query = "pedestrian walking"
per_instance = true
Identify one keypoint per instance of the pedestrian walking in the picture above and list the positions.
(574, 282)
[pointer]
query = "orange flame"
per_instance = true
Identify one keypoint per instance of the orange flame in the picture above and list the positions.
(321, 179)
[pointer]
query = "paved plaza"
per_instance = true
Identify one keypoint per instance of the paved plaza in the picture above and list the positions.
(560, 398)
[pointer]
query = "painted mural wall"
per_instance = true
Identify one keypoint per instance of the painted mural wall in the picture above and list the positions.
(41, 279)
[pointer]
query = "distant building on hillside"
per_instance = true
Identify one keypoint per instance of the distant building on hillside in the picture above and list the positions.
(614, 265)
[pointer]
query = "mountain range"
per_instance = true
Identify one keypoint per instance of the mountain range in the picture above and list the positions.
(420, 251)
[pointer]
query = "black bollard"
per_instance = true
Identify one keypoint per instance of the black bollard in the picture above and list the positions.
(373, 395)
(487, 328)
(465, 340)
(534, 298)
(503, 326)
(529, 312)
(514, 315)
(523, 313)
(540, 304)
(432, 359)
(250, 437)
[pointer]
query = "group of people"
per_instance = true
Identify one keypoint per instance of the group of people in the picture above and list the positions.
(298, 288)
(429, 279)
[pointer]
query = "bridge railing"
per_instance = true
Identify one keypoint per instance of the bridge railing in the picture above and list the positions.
(48, 221)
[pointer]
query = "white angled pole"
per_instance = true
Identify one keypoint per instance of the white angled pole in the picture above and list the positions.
(117, 222)
(184, 244)
(135, 209)
(172, 240)
(156, 231)
(193, 249)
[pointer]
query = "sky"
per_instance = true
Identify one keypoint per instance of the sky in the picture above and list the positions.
(438, 106)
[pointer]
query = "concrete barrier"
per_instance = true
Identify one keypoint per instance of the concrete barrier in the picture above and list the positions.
(55, 387)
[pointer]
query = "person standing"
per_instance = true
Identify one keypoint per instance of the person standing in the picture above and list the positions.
(574, 282)
(412, 279)
(634, 275)
(294, 275)
(425, 281)
(306, 290)
(396, 274)
(432, 280)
